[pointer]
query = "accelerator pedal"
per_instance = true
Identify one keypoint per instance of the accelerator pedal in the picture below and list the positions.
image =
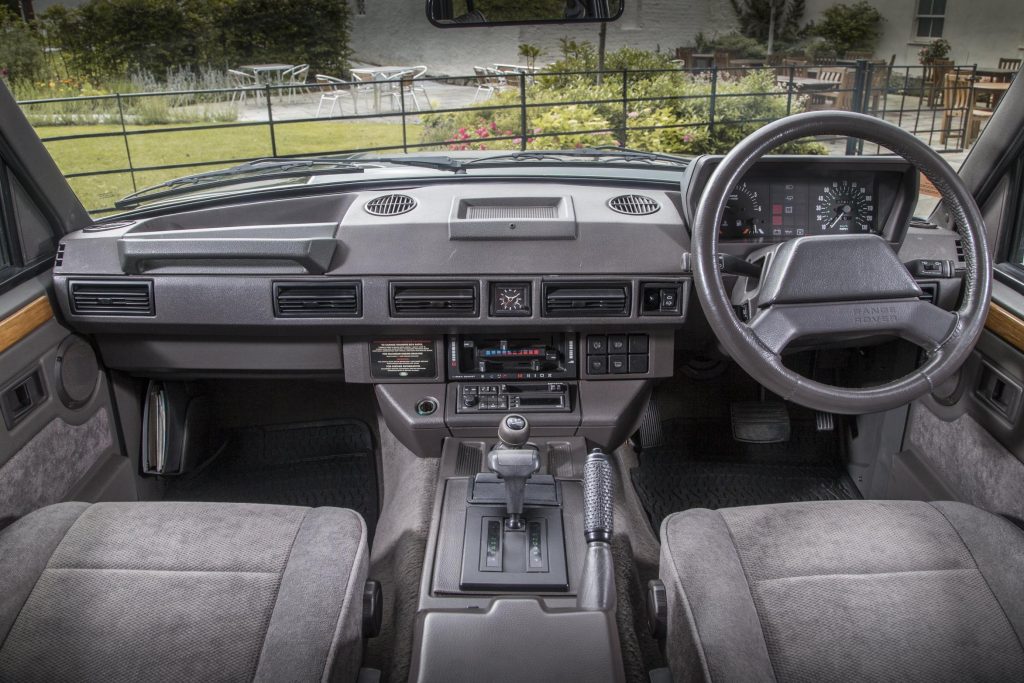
(760, 421)
(825, 422)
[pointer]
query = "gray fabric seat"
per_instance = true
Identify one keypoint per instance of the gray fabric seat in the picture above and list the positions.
(844, 590)
(182, 592)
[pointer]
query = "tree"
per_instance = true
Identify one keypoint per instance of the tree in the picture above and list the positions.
(850, 27)
(21, 54)
(756, 18)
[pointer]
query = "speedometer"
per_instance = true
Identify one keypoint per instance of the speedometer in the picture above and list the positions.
(744, 216)
(845, 206)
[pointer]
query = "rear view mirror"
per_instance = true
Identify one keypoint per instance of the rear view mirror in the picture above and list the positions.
(452, 13)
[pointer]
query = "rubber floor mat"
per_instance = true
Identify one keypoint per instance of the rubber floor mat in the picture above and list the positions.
(316, 464)
(705, 468)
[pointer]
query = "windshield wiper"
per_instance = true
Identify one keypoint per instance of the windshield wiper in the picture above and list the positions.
(277, 169)
(594, 154)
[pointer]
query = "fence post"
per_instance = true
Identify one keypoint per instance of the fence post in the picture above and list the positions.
(624, 139)
(522, 112)
(789, 90)
(857, 101)
(401, 96)
(127, 148)
(714, 93)
(270, 120)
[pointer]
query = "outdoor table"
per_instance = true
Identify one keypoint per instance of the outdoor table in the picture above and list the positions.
(746, 62)
(1003, 75)
(379, 75)
(993, 89)
(275, 71)
(702, 60)
(804, 83)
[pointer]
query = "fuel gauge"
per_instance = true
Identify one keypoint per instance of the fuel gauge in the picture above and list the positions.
(744, 216)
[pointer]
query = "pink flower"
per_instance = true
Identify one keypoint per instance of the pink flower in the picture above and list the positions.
(687, 138)
(633, 114)
(494, 125)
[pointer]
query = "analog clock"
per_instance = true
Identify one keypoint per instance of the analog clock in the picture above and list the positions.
(509, 299)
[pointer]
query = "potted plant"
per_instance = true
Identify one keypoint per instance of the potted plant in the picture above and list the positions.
(935, 51)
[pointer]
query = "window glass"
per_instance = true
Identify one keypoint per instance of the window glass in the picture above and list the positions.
(930, 18)
(34, 234)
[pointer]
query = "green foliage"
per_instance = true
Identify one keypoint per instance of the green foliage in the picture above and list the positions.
(107, 38)
(530, 53)
(935, 50)
(734, 43)
(668, 111)
(21, 54)
(850, 27)
(754, 17)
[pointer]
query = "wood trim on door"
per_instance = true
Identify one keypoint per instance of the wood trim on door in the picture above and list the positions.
(20, 324)
(1005, 325)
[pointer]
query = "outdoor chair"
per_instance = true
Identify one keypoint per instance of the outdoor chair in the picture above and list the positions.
(934, 80)
(838, 98)
(488, 82)
(958, 104)
(332, 90)
(1010, 63)
(295, 79)
(858, 54)
(242, 81)
(403, 86)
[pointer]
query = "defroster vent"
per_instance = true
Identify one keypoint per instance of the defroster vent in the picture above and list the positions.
(111, 297)
(434, 300)
(633, 204)
(317, 300)
(390, 205)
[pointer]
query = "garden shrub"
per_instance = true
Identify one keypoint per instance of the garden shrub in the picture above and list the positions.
(21, 54)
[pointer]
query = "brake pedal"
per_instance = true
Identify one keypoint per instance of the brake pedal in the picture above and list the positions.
(760, 421)
(825, 422)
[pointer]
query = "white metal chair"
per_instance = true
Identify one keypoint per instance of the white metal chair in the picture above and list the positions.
(336, 88)
(242, 81)
(295, 79)
(488, 80)
(404, 86)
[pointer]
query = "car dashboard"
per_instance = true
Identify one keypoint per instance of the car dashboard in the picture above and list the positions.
(462, 298)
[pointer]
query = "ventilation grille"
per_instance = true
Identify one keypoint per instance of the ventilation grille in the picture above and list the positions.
(633, 204)
(511, 212)
(390, 205)
(587, 299)
(58, 260)
(317, 300)
(112, 297)
(434, 300)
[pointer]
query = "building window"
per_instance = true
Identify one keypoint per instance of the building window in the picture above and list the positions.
(931, 15)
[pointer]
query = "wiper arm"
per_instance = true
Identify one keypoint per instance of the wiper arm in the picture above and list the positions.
(596, 154)
(277, 168)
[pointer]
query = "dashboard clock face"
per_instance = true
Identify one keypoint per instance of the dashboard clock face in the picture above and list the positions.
(510, 299)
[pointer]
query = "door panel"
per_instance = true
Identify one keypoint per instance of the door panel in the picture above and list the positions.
(57, 436)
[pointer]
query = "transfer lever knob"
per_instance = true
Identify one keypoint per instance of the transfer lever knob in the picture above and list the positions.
(514, 431)
(598, 498)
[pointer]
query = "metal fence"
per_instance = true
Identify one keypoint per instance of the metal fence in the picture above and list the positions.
(935, 106)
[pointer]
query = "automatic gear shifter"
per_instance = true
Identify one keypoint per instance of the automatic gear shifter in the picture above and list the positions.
(514, 461)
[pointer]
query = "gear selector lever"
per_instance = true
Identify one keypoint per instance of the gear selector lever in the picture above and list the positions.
(514, 461)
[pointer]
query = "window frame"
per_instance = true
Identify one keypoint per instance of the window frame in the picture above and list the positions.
(13, 269)
(1010, 250)
(931, 17)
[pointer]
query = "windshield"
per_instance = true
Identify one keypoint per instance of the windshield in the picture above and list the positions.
(129, 95)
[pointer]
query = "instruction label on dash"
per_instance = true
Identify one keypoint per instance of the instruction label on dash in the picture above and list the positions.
(391, 358)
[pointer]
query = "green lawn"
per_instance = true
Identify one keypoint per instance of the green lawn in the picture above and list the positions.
(198, 146)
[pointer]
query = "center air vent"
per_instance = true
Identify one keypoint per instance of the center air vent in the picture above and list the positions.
(633, 204)
(434, 300)
(390, 205)
(111, 297)
(586, 299)
(317, 300)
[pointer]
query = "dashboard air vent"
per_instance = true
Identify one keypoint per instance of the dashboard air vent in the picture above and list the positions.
(317, 300)
(111, 297)
(434, 300)
(390, 205)
(586, 299)
(633, 204)
(58, 260)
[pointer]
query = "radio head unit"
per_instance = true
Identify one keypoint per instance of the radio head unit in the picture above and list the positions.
(517, 357)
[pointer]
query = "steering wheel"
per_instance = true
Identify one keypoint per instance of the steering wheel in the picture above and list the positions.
(844, 286)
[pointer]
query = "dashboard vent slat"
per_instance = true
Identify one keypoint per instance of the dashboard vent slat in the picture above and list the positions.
(317, 300)
(434, 300)
(390, 205)
(111, 297)
(587, 299)
(634, 205)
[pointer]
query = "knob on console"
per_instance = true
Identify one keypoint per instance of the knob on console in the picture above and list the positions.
(514, 431)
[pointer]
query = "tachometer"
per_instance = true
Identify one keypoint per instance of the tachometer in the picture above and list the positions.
(845, 206)
(744, 217)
